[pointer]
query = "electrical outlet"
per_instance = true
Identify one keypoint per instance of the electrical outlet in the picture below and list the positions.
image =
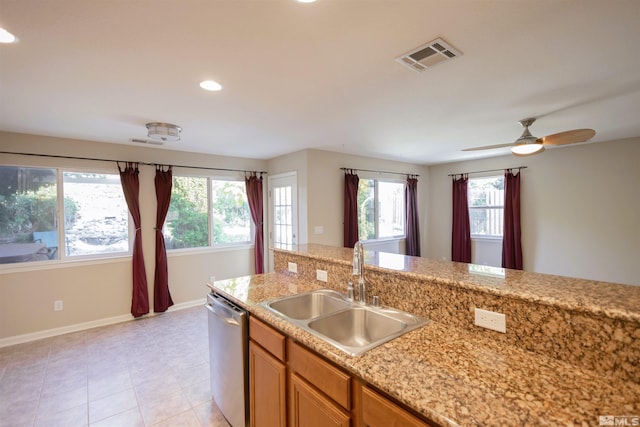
(293, 267)
(58, 305)
(491, 320)
(321, 275)
(212, 279)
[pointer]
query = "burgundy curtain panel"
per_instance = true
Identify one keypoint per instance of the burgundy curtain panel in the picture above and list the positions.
(511, 242)
(461, 230)
(351, 181)
(413, 223)
(253, 184)
(131, 189)
(161, 295)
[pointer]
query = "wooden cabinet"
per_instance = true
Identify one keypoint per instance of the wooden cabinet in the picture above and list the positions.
(310, 408)
(291, 386)
(319, 392)
(375, 410)
(267, 376)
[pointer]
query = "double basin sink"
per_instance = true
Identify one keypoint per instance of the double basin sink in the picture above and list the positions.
(351, 327)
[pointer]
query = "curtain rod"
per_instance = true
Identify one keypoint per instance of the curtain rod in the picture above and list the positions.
(127, 161)
(370, 170)
(490, 170)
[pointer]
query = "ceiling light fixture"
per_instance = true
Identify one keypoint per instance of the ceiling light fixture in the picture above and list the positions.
(305, 1)
(527, 144)
(6, 36)
(211, 85)
(163, 131)
(522, 150)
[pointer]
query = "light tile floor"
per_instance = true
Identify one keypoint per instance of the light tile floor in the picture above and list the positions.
(148, 372)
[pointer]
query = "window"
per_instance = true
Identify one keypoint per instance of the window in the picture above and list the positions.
(230, 212)
(28, 210)
(96, 216)
(187, 222)
(283, 217)
(38, 224)
(207, 212)
(486, 206)
(381, 209)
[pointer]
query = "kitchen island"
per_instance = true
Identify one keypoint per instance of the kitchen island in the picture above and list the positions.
(453, 373)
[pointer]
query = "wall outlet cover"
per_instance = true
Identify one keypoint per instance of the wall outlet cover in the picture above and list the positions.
(490, 320)
(293, 267)
(321, 275)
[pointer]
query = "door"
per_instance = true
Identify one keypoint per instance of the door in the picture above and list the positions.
(283, 213)
(268, 388)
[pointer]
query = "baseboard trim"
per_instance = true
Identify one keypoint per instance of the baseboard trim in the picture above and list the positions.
(34, 336)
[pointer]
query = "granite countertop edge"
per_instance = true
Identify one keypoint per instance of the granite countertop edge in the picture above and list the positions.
(450, 376)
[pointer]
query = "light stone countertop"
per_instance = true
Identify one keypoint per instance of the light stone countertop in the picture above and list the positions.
(596, 297)
(452, 376)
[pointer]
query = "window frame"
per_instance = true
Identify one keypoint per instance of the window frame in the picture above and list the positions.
(376, 210)
(476, 236)
(130, 226)
(210, 219)
(252, 234)
(61, 257)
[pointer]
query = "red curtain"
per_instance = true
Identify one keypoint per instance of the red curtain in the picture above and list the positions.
(350, 208)
(461, 230)
(253, 185)
(413, 223)
(161, 295)
(511, 243)
(131, 189)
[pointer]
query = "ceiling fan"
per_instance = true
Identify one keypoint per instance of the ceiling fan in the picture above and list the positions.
(528, 144)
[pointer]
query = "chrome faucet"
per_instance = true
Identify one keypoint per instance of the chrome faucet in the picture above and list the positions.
(358, 270)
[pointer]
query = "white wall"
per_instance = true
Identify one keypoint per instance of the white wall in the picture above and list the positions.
(580, 209)
(93, 291)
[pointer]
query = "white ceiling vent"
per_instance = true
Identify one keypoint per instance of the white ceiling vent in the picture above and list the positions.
(147, 141)
(428, 55)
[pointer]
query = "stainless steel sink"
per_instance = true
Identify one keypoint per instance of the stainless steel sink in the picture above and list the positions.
(310, 304)
(350, 327)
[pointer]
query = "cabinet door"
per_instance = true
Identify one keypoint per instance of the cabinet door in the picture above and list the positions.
(378, 411)
(267, 388)
(309, 408)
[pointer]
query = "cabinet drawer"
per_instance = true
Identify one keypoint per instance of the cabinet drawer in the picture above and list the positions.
(323, 375)
(270, 339)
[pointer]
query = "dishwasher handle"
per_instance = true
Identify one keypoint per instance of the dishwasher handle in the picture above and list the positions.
(222, 316)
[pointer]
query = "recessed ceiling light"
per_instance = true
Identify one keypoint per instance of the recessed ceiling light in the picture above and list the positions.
(210, 85)
(305, 1)
(6, 36)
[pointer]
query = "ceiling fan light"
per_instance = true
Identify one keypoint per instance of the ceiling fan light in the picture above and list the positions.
(527, 149)
(163, 131)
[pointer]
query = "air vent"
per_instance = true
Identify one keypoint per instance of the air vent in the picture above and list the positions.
(147, 141)
(428, 55)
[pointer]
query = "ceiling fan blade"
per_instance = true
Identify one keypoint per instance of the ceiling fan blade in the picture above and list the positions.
(488, 147)
(568, 137)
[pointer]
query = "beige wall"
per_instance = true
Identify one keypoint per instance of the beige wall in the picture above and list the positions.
(580, 218)
(94, 291)
(580, 209)
(321, 187)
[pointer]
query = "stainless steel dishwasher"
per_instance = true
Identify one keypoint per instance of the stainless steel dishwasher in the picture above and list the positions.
(228, 358)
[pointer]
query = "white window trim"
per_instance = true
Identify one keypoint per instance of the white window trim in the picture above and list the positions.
(61, 231)
(218, 247)
(376, 211)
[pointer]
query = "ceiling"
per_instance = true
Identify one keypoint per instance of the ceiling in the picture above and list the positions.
(321, 75)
